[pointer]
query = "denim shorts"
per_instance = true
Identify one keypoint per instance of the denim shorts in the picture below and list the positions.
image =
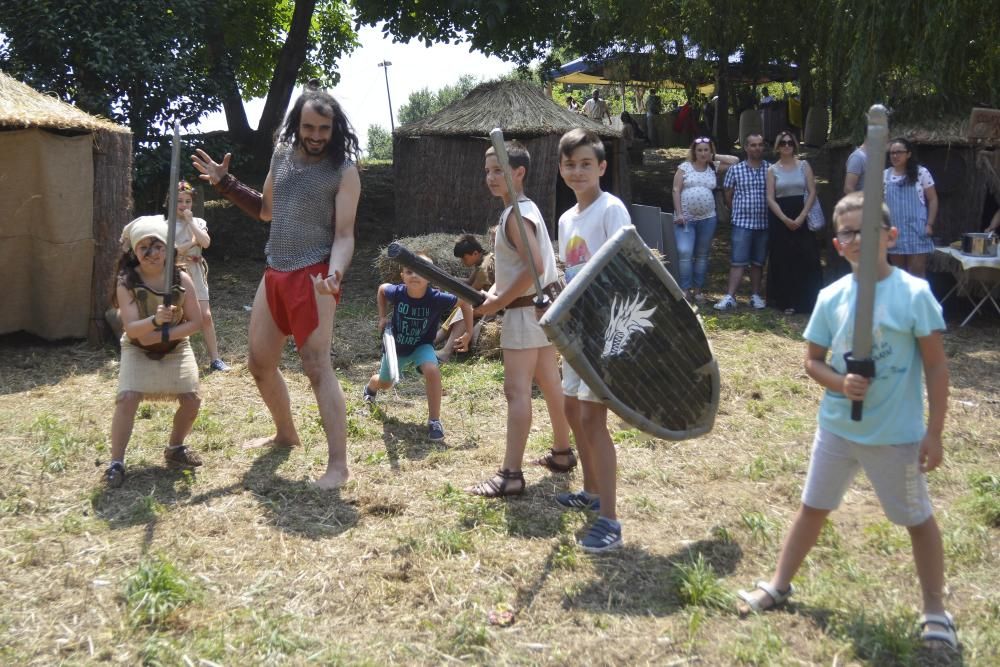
(749, 246)
(423, 354)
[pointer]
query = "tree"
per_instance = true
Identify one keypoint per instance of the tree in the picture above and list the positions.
(423, 102)
(379, 143)
(924, 57)
(146, 62)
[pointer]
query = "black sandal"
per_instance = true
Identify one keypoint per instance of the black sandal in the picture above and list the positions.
(549, 460)
(491, 489)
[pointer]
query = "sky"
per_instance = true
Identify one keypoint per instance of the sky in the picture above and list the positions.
(361, 91)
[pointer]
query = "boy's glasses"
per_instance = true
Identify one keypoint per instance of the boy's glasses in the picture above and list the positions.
(898, 152)
(787, 142)
(849, 236)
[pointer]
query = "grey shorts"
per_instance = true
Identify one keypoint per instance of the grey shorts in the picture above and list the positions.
(521, 330)
(894, 471)
(574, 386)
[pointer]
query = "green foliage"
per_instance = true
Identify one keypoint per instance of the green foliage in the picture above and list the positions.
(379, 144)
(55, 443)
(985, 499)
(423, 102)
(155, 591)
(697, 585)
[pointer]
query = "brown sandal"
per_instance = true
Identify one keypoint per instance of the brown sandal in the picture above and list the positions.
(491, 489)
(549, 460)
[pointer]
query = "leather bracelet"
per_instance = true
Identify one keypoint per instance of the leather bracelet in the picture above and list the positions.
(246, 198)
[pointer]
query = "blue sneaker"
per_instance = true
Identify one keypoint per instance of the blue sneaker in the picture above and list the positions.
(368, 396)
(435, 431)
(581, 500)
(604, 536)
(114, 476)
(219, 365)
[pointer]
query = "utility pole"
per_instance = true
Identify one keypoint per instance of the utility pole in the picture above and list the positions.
(385, 68)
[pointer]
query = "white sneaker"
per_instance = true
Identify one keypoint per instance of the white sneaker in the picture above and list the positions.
(757, 301)
(726, 303)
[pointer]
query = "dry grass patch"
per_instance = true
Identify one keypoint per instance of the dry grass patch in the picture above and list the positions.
(402, 566)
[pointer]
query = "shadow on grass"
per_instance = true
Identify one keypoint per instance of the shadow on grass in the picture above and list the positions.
(27, 361)
(295, 506)
(632, 581)
(409, 441)
(892, 642)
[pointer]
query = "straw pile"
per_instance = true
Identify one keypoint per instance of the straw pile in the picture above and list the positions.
(440, 248)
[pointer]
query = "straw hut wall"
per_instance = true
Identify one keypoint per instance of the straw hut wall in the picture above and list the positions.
(438, 161)
(67, 192)
(966, 173)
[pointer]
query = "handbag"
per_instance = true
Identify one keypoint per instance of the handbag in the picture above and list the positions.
(814, 218)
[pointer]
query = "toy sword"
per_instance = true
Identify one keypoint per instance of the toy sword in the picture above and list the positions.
(175, 171)
(859, 359)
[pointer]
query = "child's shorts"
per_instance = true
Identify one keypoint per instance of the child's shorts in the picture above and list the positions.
(521, 330)
(421, 355)
(894, 471)
(574, 387)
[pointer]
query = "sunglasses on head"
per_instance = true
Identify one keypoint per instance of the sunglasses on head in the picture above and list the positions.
(787, 142)
(702, 140)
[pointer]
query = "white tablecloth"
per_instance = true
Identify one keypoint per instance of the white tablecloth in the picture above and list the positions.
(968, 261)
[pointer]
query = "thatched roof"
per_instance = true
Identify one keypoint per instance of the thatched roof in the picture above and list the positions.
(520, 108)
(21, 107)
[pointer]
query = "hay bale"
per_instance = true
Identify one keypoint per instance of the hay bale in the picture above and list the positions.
(488, 343)
(440, 248)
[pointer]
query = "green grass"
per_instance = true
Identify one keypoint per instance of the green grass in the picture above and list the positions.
(155, 591)
(696, 584)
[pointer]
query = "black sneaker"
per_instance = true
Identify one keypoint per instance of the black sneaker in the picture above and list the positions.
(114, 476)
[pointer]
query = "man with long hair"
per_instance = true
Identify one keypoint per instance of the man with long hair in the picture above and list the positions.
(310, 197)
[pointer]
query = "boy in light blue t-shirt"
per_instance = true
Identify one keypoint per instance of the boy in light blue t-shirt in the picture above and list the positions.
(891, 442)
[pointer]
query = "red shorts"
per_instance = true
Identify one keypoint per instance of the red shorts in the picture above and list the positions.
(291, 298)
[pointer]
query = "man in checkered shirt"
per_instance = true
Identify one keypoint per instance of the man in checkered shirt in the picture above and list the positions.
(746, 194)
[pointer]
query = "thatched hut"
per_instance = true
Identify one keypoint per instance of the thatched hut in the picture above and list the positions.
(966, 172)
(66, 195)
(438, 161)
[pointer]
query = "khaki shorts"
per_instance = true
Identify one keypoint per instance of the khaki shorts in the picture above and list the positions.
(521, 330)
(894, 471)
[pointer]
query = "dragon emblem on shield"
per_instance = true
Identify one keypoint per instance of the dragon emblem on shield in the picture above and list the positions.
(627, 318)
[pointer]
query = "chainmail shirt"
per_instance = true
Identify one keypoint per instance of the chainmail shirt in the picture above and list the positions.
(303, 208)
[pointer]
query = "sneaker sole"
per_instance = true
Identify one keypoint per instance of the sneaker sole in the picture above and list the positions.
(614, 546)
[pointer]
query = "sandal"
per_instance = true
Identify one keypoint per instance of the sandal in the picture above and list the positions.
(755, 604)
(946, 636)
(492, 489)
(549, 460)
(181, 456)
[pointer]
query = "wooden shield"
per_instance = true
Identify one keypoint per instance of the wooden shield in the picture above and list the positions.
(624, 326)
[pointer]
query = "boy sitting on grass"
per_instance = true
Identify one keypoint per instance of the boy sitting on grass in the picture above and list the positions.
(470, 251)
(416, 312)
(583, 229)
(890, 442)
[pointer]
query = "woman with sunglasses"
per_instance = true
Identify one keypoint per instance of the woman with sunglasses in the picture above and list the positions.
(694, 213)
(913, 205)
(794, 274)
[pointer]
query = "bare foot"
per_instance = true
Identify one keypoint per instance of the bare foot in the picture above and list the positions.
(270, 441)
(333, 479)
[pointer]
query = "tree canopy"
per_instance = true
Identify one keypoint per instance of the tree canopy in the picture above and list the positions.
(922, 57)
(145, 62)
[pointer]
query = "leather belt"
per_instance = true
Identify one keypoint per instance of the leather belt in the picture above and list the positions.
(551, 290)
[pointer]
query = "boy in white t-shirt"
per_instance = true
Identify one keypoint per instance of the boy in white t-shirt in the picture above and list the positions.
(583, 229)
(527, 353)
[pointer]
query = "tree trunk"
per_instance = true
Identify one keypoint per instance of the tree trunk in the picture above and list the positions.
(723, 143)
(293, 54)
(223, 71)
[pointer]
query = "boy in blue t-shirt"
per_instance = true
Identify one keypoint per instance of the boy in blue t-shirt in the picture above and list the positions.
(416, 314)
(890, 443)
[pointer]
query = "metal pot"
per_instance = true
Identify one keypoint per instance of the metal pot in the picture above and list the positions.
(979, 245)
